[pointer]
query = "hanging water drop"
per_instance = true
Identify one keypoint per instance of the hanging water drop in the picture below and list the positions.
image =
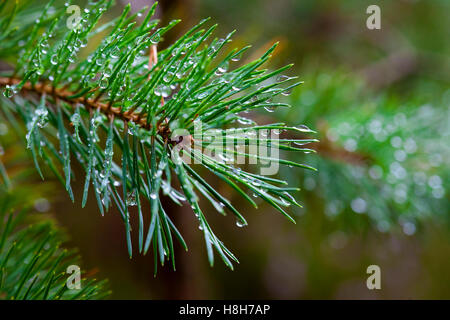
(237, 57)
(75, 119)
(114, 53)
(222, 69)
(155, 38)
(54, 59)
(282, 77)
(104, 83)
(303, 128)
(9, 91)
(270, 108)
(131, 199)
(163, 91)
(240, 223)
(41, 115)
(287, 92)
(243, 120)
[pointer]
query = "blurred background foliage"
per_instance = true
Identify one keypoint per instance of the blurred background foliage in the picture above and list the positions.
(33, 255)
(380, 101)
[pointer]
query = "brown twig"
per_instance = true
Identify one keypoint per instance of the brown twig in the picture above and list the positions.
(65, 95)
(152, 61)
(90, 104)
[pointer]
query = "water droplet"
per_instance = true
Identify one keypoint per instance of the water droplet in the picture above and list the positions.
(282, 77)
(114, 53)
(396, 142)
(54, 59)
(237, 57)
(41, 115)
(131, 199)
(303, 128)
(240, 223)
(350, 145)
(155, 38)
(246, 121)
(359, 205)
(287, 92)
(83, 43)
(163, 91)
(224, 158)
(376, 172)
(177, 196)
(104, 83)
(409, 228)
(216, 46)
(9, 91)
(75, 119)
(222, 69)
(270, 108)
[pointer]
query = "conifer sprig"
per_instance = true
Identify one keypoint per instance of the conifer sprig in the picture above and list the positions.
(113, 91)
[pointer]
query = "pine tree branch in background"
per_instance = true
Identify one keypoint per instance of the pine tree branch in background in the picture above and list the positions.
(382, 161)
(33, 259)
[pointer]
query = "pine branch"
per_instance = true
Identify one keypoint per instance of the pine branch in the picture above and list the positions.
(381, 156)
(140, 99)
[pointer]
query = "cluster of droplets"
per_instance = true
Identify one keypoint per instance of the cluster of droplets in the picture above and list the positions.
(105, 174)
(95, 121)
(38, 120)
(411, 179)
(215, 46)
(41, 116)
(131, 200)
(163, 91)
(264, 98)
(75, 119)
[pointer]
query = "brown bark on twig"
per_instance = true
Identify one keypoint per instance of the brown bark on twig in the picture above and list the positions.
(90, 104)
